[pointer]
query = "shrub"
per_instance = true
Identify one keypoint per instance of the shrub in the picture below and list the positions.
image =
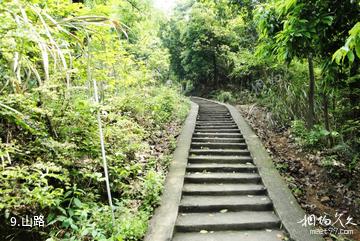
(52, 172)
(224, 96)
(318, 136)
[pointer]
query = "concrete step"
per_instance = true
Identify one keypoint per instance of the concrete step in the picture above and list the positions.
(217, 130)
(219, 135)
(214, 119)
(246, 235)
(222, 152)
(215, 122)
(232, 203)
(212, 110)
(204, 106)
(245, 220)
(223, 189)
(218, 145)
(207, 112)
(222, 177)
(216, 127)
(214, 115)
(220, 167)
(218, 140)
(220, 159)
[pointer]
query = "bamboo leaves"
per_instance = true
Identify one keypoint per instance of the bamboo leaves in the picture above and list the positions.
(28, 34)
(40, 47)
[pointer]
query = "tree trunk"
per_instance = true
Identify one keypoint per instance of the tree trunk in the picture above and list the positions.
(326, 116)
(311, 95)
(215, 70)
(326, 112)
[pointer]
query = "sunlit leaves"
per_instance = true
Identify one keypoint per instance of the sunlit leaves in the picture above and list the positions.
(351, 47)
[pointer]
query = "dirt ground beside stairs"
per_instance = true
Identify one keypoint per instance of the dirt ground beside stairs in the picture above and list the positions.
(316, 190)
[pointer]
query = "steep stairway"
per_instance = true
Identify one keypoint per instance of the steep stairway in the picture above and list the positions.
(223, 197)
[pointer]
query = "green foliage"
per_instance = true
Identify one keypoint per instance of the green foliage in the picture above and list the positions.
(351, 47)
(33, 182)
(133, 227)
(301, 29)
(224, 96)
(75, 159)
(51, 51)
(314, 138)
(94, 221)
(151, 190)
(202, 38)
(188, 86)
(248, 67)
(284, 92)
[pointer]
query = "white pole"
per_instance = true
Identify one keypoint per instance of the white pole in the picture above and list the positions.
(104, 154)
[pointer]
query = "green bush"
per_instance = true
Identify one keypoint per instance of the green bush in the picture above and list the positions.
(60, 174)
(314, 138)
(224, 96)
(151, 189)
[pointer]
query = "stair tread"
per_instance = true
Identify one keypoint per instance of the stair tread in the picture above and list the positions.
(216, 127)
(225, 144)
(216, 122)
(221, 165)
(229, 159)
(219, 150)
(218, 218)
(209, 200)
(216, 139)
(233, 152)
(210, 157)
(222, 175)
(218, 134)
(193, 187)
(248, 235)
(221, 143)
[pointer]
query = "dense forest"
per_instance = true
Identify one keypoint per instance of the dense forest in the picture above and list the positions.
(92, 97)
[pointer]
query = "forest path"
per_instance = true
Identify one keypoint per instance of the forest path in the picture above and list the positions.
(224, 186)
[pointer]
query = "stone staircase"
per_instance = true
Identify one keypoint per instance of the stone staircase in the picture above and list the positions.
(223, 198)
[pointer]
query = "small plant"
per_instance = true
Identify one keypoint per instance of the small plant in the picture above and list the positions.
(318, 136)
(225, 96)
(297, 191)
(282, 167)
(152, 188)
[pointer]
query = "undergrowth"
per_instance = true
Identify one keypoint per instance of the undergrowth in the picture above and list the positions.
(51, 164)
